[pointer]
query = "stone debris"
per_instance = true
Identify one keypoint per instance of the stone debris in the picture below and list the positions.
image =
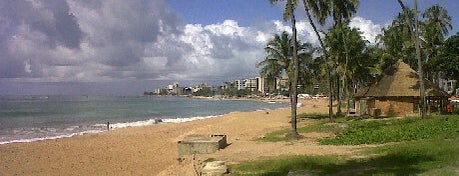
(215, 168)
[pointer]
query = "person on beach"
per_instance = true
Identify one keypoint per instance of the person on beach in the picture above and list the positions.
(108, 126)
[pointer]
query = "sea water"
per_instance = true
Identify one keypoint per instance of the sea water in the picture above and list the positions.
(33, 118)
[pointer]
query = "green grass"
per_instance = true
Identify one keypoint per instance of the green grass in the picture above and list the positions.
(318, 126)
(395, 130)
(424, 157)
(424, 147)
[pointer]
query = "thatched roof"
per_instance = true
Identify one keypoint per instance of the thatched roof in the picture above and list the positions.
(403, 83)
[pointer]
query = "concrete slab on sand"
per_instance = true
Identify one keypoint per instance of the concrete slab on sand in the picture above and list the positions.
(200, 144)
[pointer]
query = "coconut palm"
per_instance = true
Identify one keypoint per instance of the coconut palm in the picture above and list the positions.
(398, 38)
(270, 70)
(341, 11)
(279, 58)
(355, 47)
(413, 24)
(447, 60)
(279, 54)
(438, 16)
(289, 15)
(436, 25)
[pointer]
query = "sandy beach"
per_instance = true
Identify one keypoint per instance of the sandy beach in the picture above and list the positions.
(152, 150)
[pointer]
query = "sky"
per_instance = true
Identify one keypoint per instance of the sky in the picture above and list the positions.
(127, 47)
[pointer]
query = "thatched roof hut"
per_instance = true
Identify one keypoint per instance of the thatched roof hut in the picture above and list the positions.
(398, 94)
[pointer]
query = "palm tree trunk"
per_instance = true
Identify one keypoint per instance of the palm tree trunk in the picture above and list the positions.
(339, 93)
(294, 82)
(418, 56)
(345, 86)
(324, 50)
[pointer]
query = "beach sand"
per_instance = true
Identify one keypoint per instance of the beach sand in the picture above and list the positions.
(152, 150)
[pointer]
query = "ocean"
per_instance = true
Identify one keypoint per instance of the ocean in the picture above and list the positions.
(34, 118)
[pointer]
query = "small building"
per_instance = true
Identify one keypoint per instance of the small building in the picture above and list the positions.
(398, 95)
(199, 144)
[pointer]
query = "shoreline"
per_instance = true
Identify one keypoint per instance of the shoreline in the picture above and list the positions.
(128, 124)
(152, 150)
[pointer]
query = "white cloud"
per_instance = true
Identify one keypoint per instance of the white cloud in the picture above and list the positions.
(369, 29)
(109, 41)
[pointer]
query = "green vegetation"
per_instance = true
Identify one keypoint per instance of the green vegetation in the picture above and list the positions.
(319, 126)
(423, 147)
(423, 157)
(205, 91)
(418, 146)
(395, 130)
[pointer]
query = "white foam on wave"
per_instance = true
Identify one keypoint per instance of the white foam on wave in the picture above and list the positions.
(102, 127)
(113, 126)
(155, 121)
(133, 124)
(180, 120)
(49, 137)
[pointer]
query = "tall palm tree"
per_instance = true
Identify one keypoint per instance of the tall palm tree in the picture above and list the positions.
(289, 15)
(279, 54)
(340, 41)
(438, 16)
(418, 57)
(398, 38)
(270, 70)
(437, 24)
(340, 11)
(415, 38)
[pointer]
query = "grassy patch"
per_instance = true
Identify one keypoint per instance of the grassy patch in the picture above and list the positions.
(426, 147)
(285, 134)
(395, 130)
(424, 157)
(282, 165)
(321, 125)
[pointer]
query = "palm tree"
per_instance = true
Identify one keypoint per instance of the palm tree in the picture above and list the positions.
(420, 70)
(341, 11)
(306, 64)
(289, 15)
(398, 38)
(415, 38)
(279, 54)
(340, 41)
(438, 16)
(436, 26)
(270, 70)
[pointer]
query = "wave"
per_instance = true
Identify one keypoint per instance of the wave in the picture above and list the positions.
(23, 135)
(53, 133)
(51, 137)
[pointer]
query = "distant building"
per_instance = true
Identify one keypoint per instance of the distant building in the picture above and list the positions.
(262, 84)
(251, 84)
(447, 85)
(240, 84)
